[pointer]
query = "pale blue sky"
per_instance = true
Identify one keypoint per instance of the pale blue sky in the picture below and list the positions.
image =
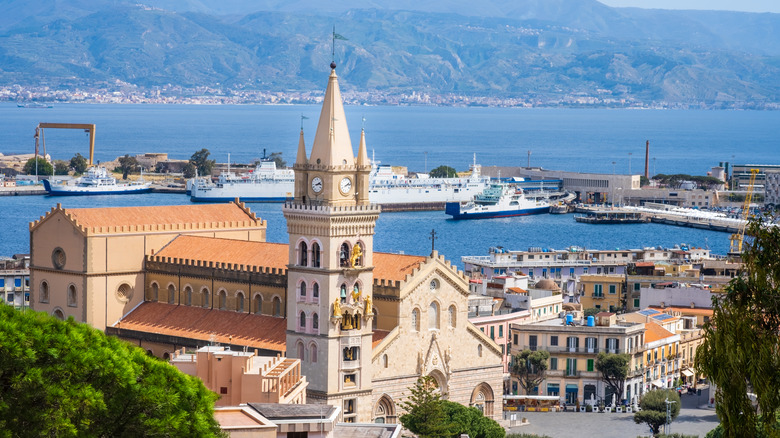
(729, 5)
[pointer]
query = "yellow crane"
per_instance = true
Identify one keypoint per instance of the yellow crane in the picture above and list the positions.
(89, 128)
(737, 238)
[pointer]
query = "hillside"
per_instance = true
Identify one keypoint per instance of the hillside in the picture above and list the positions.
(544, 52)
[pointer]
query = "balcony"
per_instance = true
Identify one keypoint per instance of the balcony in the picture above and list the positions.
(350, 365)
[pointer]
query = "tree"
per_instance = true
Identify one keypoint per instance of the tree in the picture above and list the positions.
(61, 167)
(64, 378)
(425, 415)
(614, 370)
(276, 157)
(741, 344)
(44, 167)
(443, 172)
(529, 367)
(78, 163)
(471, 421)
(201, 162)
(127, 164)
(653, 406)
(590, 311)
(189, 170)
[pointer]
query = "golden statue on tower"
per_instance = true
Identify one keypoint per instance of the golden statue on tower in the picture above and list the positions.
(357, 253)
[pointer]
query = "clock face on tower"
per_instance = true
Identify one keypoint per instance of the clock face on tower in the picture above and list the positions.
(345, 185)
(316, 184)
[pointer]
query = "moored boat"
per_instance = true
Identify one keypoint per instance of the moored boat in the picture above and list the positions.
(498, 200)
(97, 181)
(611, 217)
(265, 183)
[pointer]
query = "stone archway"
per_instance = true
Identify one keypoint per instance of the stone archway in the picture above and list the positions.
(482, 398)
(384, 410)
(441, 382)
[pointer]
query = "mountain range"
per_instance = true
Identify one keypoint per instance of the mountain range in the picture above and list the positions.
(537, 50)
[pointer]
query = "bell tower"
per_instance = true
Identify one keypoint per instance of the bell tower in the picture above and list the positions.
(330, 272)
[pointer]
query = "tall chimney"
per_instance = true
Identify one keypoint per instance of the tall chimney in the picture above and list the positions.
(647, 159)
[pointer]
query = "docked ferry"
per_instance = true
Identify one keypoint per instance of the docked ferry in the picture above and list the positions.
(265, 183)
(97, 181)
(498, 200)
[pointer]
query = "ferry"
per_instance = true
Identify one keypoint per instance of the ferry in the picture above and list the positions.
(97, 181)
(269, 184)
(498, 200)
(265, 183)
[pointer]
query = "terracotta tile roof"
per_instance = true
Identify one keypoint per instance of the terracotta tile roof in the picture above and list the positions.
(159, 215)
(254, 331)
(517, 290)
(644, 264)
(236, 252)
(377, 337)
(654, 332)
(688, 310)
(394, 266)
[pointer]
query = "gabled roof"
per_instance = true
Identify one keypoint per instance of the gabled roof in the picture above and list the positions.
(228, 215)
(208, 325)
(654, 332)
(395, 266)
(235, 252)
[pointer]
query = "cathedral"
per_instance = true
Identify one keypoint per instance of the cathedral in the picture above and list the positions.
(364, 324)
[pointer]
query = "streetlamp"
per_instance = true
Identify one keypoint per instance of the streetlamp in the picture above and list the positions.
(668, 425)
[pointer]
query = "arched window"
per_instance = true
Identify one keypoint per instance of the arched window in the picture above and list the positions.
(72, 302)
(479, 350)
(277, 306)
(416, 320)
(303, 291)
(222, 300)
(343, 293)
(240, 302)
(303, 254)
(59, 315)
(313, 353)
(188, 295)
(315, 322)
(315, 292)
(44, 298)
(155, 292)
(258, 304)
(374, 320)
(453, 316)
(433, 316)
(384, 360)
(344, 255)
(206, 298)
(315, 255)
(302, 321)
(171, 294)
(300, 351)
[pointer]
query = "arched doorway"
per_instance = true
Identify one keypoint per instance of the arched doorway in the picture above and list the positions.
(482, 398)
(384, 410)
(440, 380)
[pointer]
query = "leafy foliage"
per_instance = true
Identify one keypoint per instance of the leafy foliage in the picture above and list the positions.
(614, 370)
(61, 167)
(443, 172)
(674, 181)
(470, 421)
(63, 378)
(741, 343)
(653, 406)
(425, 415)
(127, 165)
(78, 163)
(189, 170)
(44, 167)
(529, 367)
(276, 157)
(590, 311)
(200, 160)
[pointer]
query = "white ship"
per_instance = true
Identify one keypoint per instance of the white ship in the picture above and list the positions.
(96, 181)
(269, 184)
(498, 200)
(265, 183)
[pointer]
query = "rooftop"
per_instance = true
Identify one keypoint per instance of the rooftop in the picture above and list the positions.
(654, 332)
(236, 252)
(276, 412)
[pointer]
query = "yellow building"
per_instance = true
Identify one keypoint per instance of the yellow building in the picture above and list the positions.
(604, 292)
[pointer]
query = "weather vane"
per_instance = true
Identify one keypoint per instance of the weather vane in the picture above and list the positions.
(333, 46)
(302, 119)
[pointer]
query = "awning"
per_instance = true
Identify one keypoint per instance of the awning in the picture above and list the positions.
(688, 373)
(658, 383)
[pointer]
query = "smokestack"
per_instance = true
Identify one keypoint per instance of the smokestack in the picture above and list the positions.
(647, 159)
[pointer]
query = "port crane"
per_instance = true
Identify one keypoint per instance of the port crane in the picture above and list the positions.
(88, 128)
(737, 238)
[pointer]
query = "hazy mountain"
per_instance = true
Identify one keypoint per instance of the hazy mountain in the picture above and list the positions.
(536, 48)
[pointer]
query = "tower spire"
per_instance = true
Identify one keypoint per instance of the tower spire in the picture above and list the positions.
(300, 159)
(362, 158)
(332, 145)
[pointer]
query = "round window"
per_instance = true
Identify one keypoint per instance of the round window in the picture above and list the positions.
(434, 285)
(124, 293)
(58, 258)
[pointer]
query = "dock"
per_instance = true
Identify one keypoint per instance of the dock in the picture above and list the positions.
(22, 191)
(687, 217)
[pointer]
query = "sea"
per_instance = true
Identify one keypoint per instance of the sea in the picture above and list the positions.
(420, 138)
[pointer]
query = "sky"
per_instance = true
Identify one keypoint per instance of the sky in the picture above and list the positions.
(728, 5)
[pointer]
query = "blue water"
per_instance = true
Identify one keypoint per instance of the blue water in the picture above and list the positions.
(575, 140)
